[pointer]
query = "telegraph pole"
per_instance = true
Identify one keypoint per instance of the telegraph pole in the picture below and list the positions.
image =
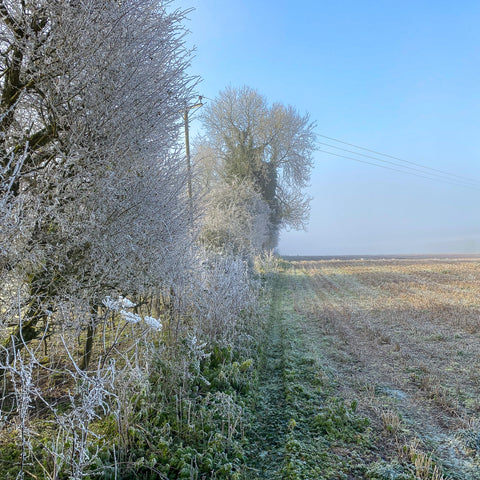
(187, 146)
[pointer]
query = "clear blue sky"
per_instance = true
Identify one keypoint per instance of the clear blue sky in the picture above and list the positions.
(401, 78)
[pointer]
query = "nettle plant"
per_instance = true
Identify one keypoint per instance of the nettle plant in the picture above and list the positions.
(220, 294)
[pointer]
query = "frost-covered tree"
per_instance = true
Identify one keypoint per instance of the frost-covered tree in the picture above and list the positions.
(270, 146)
(92, 186)
(236, 219)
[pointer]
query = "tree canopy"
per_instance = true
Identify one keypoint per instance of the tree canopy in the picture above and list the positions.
(269, 146)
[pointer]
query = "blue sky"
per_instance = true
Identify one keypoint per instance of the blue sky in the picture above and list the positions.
(400, 78)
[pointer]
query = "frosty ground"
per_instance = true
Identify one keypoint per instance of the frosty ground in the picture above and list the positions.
(370, 371)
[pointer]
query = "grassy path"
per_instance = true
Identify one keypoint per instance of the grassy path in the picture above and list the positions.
(298, 417)
(271, 423)
(345, 389)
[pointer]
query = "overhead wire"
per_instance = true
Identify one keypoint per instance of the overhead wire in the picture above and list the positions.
(399, 159)
(423, 171)
(404, 166)
(432, 175)
(403, 171)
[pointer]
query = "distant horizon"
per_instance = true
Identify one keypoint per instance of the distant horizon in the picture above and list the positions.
(382, 255)
(465, 241)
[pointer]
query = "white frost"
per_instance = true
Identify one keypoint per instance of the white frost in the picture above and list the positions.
(153, 323)
(130, 317)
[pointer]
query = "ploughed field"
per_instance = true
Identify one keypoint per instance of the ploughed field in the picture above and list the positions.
(397, 342)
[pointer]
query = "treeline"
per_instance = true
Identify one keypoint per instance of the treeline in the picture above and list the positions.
(129, 306)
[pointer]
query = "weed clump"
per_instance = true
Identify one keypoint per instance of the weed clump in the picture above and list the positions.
(339, 422)
(382, 470)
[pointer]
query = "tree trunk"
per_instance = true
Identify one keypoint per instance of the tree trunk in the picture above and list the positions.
(91, 328)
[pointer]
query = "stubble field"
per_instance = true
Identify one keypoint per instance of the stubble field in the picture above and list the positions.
(397, 342)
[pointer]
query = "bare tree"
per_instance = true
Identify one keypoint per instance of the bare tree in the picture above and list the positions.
(270, 146)
(92, 184)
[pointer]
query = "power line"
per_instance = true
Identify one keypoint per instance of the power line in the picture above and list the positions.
(442, 180)
(401, 160)
(440, 176)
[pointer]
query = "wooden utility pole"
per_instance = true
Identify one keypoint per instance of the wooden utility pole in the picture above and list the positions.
(187, 146)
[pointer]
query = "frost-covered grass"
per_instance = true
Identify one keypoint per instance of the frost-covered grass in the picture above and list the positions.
(303, 429)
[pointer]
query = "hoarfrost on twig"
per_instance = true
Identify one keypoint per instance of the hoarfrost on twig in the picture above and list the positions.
(130, 317)
(153, 323)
